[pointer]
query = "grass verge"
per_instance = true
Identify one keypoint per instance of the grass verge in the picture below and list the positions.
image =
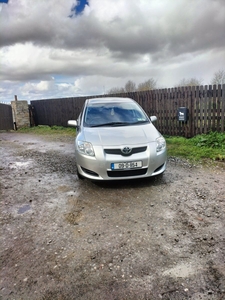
(204, 146)
(52, 130)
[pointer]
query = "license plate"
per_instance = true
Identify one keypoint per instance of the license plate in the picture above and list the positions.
(126, 165)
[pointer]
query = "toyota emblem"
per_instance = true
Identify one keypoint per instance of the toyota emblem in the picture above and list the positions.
(126, 150)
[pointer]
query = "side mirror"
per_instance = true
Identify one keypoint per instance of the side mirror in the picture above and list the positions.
(72, 123)
(153, 118)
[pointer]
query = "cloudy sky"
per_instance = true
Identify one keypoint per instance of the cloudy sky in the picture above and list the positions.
(58, 48)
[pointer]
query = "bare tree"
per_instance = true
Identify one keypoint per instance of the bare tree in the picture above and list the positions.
(190, 82)
(116, 90)
(219, 77)
(147, 85)
(130, 86)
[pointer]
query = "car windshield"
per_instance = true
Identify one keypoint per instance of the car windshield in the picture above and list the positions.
(114, 114)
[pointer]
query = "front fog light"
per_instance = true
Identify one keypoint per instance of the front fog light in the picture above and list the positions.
(160, 144)
(86, 148)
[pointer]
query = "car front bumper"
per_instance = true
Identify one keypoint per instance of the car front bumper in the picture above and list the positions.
(99, 167)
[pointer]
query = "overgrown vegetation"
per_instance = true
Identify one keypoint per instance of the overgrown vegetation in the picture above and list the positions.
(200, 147)
(204, 146)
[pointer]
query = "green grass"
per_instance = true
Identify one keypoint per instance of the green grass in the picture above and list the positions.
(204, 146)
(52, 130)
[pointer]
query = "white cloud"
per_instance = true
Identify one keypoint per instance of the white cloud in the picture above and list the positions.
(41, 86)
(107, 45)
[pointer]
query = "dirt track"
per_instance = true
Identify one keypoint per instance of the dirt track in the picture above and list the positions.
(67, 239)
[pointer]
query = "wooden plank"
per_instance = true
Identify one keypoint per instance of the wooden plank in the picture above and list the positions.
(159, 114)
(151, 103)
(156, 106)
(218, 109)
(223, 108)
(205, 109)
(186, 126)
(185, 104)
(180, 104)
(51, 111)
(176, 123)
(209, 96)
(162, 112)
(197, 110)
(193, 111)
(191, 125)
(201, 108)
(145, 101)
(173, 111)
(170, 107)
(214, 108)
(165, 109)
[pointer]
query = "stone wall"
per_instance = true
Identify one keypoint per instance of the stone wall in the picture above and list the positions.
(20, 114)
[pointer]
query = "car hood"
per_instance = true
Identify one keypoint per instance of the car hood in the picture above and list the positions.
(125, 135)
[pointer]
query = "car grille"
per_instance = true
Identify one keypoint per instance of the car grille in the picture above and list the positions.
(127, 173)
(119, 152)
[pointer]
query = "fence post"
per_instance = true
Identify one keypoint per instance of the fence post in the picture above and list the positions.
(192, 111)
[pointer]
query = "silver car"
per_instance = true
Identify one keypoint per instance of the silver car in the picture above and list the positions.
(116, 140)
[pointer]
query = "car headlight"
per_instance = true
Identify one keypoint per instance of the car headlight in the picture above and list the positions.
(160, 144)
(86, 148)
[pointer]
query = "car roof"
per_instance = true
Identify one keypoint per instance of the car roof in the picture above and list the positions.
(109, 99)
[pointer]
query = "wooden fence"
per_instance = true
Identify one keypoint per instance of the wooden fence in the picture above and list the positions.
(206, 105)
(6, 119)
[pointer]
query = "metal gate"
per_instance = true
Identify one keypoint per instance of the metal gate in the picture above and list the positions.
(6, 118)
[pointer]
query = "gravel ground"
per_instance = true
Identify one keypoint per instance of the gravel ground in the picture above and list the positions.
(64, 238)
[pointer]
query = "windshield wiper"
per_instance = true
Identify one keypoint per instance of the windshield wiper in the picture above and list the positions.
(112, 124)
(140, 122)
